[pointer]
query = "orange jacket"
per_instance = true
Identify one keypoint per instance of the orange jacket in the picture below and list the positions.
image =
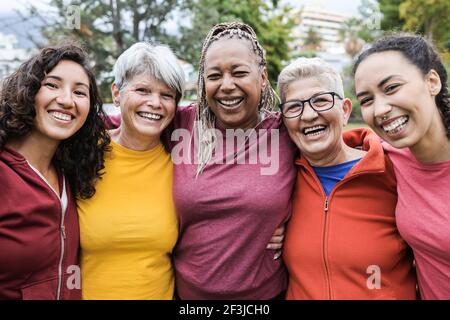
(346, 245)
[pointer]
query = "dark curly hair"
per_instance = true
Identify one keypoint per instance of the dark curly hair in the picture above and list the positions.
(79, 157)
(421, 53)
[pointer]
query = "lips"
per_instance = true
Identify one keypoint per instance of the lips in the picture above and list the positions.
(61, 115)
(150, 116)
(230, 103)
(395, 125)
(314, 130)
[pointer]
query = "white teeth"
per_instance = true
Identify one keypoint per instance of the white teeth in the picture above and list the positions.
(60, 116)
(230, 102)
(307, 130)
(149, 115)
(396, 125)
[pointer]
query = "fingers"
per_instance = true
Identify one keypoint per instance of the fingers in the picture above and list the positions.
(274, 246)
(277, 255)
(276, 243)
(280, 230)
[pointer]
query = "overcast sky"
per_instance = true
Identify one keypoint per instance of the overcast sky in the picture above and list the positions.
(346, 6)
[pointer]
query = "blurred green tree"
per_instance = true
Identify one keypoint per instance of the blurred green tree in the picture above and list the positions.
(428, 17)
(269, 19)
(106, 27)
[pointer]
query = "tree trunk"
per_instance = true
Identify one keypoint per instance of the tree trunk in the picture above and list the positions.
(117, 33)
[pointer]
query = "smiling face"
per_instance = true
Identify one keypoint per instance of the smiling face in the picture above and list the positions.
(397, 100)
(62, 102)
(147, 107)
(234, 81)
(318, 135)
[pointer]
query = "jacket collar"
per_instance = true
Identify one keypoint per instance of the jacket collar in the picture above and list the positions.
(367, 140)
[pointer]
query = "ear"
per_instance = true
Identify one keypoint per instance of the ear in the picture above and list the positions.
(115, 93)
(434, 82)
(347, 110)
(265, 77)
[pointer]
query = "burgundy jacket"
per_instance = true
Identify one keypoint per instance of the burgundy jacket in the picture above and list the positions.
(38, 244)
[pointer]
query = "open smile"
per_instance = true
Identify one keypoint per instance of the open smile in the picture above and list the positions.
(230, 103)
(61, 116)
(314, 131)
(394, 126)
(150, 116)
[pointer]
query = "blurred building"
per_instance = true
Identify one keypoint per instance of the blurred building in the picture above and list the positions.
(317, 31)
(10, 56)
(326, 24)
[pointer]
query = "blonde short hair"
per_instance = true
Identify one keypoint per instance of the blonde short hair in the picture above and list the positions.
(156, 60)
(310, 68)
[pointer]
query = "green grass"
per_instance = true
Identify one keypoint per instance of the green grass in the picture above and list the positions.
(355, 125)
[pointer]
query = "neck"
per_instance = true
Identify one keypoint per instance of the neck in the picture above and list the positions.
(430, 151)
(133, 141)
(342, 153)
(251, 124)
(434, 146)
(37, 149)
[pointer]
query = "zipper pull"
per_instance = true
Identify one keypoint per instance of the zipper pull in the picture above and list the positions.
(63, 231)
(326, 205)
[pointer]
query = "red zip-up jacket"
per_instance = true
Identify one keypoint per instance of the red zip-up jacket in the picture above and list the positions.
(38, 244)
(346, 245)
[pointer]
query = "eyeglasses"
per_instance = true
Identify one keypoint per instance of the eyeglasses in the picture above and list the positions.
(318, 102)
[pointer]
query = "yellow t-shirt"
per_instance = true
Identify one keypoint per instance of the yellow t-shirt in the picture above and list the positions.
(129, 228)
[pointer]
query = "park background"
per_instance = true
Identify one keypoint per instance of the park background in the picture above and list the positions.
(333, 30)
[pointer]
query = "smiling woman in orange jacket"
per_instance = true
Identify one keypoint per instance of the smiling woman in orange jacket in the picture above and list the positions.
(342, 241)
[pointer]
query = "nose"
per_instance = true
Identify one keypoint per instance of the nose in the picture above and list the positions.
(227, 83)
(153, 100)
(64, 98)
(308, 112)
(381, 107)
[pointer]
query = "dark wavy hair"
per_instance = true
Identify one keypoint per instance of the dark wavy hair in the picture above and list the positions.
(80, 157)
(421, 53)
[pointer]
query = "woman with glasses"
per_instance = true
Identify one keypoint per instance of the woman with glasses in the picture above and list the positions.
(341, 241)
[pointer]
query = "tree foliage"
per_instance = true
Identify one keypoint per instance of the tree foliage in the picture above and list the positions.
(391, 15)
(428, 17)
(107, 28)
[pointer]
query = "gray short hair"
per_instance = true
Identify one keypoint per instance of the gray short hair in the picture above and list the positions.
(155, 60)
(310, 68)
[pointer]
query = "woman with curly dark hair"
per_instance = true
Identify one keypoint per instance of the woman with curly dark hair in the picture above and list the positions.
(401, 85)
(52, 141)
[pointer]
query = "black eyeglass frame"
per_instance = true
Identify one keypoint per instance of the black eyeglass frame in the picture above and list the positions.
(333, 94)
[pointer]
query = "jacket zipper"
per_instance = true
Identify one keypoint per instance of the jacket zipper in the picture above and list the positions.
(63, 238)
(62, 228)
(327, 274)
(325, 210)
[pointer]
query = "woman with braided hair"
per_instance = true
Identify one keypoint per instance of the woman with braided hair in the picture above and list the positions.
(401, 85)
(229, 202)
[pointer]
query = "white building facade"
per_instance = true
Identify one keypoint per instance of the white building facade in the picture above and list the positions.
(326, 23)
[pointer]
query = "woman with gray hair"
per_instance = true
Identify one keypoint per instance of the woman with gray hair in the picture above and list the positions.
(129, 228)
(342, 241)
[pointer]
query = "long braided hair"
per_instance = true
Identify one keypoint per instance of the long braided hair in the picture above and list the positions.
(205, 118)
(421, 53)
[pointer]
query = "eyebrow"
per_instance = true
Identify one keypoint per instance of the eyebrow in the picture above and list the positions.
(60, 79)
(380, 84)
(234, 66)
